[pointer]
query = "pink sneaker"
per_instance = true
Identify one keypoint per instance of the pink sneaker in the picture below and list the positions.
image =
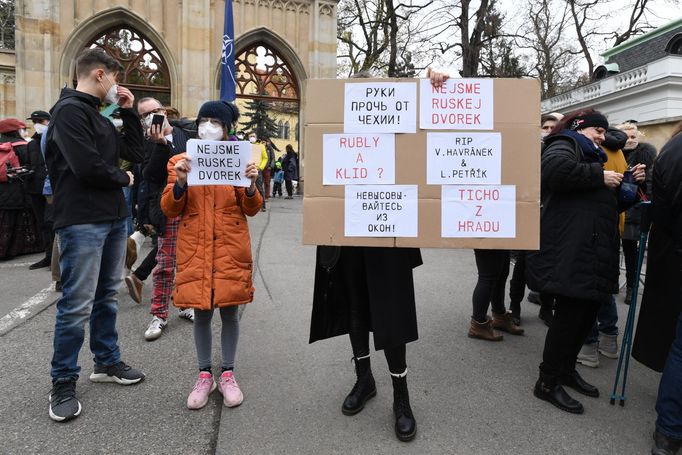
(202, 389)
(232, 394)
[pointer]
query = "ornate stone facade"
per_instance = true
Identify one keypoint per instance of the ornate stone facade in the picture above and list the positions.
(187, 34)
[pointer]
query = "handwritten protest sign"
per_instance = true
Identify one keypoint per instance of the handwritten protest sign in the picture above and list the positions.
(476, 174)
(381, 211)
(358, 159)
(463, 158)
(218, 162)
(478, 211)
(459, 104)
(380, 107)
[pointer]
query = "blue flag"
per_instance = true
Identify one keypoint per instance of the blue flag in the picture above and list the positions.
(228, 80)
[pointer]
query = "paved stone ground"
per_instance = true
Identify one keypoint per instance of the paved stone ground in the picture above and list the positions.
(469, 396)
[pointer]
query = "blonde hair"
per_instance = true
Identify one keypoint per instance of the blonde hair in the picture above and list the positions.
(629, 126)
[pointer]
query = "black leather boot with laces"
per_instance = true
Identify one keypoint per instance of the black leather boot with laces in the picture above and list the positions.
(405, 424)
(362, 391)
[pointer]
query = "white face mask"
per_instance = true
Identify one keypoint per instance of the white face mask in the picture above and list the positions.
(252, 140)
(147, 122)
(117, 122)
(111, 97)
(210, 132)
(40, 128)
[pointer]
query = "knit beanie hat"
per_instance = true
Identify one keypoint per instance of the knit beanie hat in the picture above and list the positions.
(224, 111)
(11, 124)
(595, 119)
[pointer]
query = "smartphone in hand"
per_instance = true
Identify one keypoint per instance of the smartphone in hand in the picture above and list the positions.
(157, 119)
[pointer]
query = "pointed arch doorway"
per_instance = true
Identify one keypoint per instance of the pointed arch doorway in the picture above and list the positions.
(268, 87)
(145, 71)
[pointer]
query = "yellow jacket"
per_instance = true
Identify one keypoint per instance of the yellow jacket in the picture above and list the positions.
(616, 163)
(263, 156)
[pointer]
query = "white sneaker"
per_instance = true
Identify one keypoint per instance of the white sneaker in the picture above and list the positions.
(155, 328)
(187, 313)
(588, 355)
(608, 345)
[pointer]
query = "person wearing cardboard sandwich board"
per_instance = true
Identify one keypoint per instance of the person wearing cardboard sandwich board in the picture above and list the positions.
(213, 256)
(369, 289)
(578, 257)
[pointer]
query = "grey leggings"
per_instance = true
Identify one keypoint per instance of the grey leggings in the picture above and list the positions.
(229, 335)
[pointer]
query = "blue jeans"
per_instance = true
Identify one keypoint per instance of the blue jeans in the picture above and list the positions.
(91, 261)
(669, 401)
(128, 196)
(607, 319)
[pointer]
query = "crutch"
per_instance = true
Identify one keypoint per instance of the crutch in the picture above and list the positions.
(629, 331)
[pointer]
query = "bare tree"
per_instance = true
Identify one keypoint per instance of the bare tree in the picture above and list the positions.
(552, 57)
(6, 24)
(375, 35)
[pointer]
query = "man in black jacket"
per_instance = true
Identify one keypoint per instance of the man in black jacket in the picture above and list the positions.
(82, 154)
(41, 208)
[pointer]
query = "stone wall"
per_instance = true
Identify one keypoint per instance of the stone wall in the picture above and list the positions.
(187, 33)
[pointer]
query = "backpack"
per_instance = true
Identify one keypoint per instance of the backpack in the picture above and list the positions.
(8, 158)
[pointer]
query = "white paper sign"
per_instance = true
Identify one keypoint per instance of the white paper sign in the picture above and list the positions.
(459, 104)
(218, 162)
(380, 107)
(463, 158)
(478, 211)
(353, 159)
(381, 211)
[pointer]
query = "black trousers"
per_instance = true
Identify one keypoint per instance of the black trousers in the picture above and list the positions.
(493, 270)
(43, 221)
(359, 321)
(289, 186)
(145, 269)
(630, 256)
(573, 320)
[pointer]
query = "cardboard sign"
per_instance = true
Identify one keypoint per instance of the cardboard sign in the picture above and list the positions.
(463, 158)
(218, 162)
(509, 153)
(482, 211)
(381, 211)
(380, 107)
(459, 104)
(358, 159)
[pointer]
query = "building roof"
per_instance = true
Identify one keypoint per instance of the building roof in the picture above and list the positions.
(643, 49)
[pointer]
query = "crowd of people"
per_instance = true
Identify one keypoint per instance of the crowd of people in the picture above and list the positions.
(88, 190)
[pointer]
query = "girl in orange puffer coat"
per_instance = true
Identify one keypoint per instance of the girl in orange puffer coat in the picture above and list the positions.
(214, 265)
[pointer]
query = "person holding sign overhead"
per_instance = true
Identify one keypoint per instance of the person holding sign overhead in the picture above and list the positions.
(214, 264)
(493, 269)
(578, 257)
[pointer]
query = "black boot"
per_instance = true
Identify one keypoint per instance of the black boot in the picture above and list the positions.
(44, 262)
(405, 424)
(577, 383)
(362, 391)
(548, 388)
(664, 445)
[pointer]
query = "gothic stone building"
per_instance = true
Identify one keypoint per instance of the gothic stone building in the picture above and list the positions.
(171, 50)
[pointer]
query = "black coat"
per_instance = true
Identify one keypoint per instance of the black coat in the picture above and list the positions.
(36, 162)
(579, 242)
(82, 154)
(155, 174)
(13, 193)
(389, 284)
(662, 300)
(642, 154)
